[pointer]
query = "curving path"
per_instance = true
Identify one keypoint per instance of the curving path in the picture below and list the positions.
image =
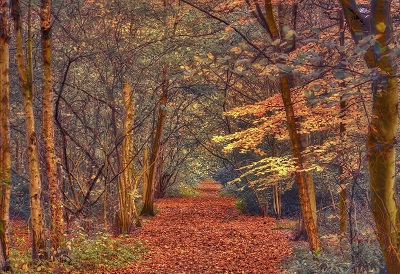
(207, 235)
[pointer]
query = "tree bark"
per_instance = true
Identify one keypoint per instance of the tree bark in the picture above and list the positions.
(5, 159)
(383, 123)
(303, 178)
(25, 75)
(343, 184)
(148, 208)
(56, 206)
(127, 185)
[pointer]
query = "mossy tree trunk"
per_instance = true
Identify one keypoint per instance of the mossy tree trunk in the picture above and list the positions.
(383, 123)
(25, 75)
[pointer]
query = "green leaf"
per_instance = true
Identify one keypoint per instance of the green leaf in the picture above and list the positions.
(285, 68)
(316, 30)
(339, 75)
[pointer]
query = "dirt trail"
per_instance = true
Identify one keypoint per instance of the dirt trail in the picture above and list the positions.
(207, 235)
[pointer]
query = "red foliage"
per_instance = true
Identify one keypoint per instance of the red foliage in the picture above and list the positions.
(206, 234)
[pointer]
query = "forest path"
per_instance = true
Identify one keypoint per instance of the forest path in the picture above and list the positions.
(206, 234)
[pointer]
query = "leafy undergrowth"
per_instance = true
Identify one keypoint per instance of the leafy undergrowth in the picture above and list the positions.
(87, 253)
(338, 256)
(206, 234)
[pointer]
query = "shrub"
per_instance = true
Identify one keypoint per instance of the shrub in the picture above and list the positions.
(182, 191)
(101, 251)
(239, 205)
(364, 257)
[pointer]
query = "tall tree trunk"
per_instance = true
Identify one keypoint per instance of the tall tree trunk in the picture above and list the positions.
(56, 206)
(383, 124)
(5, 160)
(145, 172)
(148, 208)
(25, 75)
(127, 187)
(343, 184)
(303, 178)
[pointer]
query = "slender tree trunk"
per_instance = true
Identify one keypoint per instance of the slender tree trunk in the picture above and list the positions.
(5, 160)
(343, 184)
(56, 206)
(277, 200)
(148, 208)
(276, 195)
(303, 178)
(383, 124)
(105, 198)
(25, 75)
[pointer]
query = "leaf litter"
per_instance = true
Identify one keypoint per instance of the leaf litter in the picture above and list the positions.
(207, 234)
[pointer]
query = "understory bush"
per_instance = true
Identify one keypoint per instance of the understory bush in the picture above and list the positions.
(100, 251)
(360, 257)
(104, 251)
(181, 190)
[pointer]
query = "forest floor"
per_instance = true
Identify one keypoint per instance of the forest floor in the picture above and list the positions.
(207, 234)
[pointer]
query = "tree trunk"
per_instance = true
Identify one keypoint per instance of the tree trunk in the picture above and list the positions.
(303, 178)
(5, 159)
(25, 75)
(383, 124)
(343, 184)
(145, 172)
(127, 187)
(381, 163)
(148, 208)
(56, 206)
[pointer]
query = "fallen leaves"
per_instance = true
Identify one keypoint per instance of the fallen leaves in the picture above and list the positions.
(206, 234)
